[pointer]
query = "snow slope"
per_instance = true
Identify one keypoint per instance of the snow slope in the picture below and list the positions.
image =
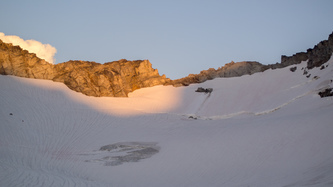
(267, 129)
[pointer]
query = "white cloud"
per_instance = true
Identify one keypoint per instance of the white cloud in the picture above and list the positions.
(43, 51)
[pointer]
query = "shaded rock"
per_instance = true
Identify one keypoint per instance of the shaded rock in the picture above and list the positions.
(205, 90)
(293, 69)
(295, 59)
(305, 72)
(321, 53)
(317, 56)
(229, 70)
(326, 93)
(200, 89)
(192, 117)
(209, 90)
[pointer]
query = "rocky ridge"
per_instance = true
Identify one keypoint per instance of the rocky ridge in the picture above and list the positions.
(113, 79)
(317, 56)
(231, 69)
(118, 78)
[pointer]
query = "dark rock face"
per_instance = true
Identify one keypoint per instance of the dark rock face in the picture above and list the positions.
(295, 59)
(114, 79)
(321, 53)
(317, 56)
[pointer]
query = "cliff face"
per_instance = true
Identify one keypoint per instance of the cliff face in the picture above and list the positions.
(115, 79)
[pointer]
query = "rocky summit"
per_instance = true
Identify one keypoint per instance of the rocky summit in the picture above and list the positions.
(118, 78)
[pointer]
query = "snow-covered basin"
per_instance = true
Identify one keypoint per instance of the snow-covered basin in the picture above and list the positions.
(267, 129)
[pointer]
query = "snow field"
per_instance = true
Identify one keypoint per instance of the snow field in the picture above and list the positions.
(267, 129)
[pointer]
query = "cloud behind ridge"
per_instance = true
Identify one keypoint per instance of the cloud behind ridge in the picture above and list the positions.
(43, 51)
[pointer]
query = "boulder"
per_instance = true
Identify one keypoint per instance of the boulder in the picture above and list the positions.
(326, 93)
(205, 90)
(293, 69)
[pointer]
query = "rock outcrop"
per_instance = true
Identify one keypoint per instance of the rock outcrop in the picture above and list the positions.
(18, 62)
(204, 90)
(231, 69)
(317, 56)
(114, 79)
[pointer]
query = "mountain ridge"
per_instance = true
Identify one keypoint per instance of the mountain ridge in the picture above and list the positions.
(118, 78)
(316, 56)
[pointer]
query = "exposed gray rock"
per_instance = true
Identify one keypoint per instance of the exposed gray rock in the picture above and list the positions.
(205, 90)
(293, 69)
(326, 93)
(317, 56)
(321, 53)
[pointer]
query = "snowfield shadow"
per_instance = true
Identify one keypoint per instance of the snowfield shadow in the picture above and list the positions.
(122, 152)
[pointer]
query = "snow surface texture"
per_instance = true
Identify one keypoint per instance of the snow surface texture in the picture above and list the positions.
(267, 129)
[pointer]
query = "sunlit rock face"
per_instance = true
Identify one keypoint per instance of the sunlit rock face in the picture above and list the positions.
(18, 62)
(114, 79)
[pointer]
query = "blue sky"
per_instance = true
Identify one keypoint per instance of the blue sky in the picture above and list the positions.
(178, 37)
